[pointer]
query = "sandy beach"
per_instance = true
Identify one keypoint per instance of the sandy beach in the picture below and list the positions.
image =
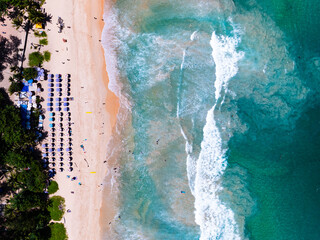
(93, 110)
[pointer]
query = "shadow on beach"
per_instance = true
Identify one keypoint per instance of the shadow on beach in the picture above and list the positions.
(9, 53)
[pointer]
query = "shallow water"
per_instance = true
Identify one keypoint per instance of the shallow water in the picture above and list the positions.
(223, 138)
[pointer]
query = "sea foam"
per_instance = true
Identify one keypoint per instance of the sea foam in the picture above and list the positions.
(216, 221)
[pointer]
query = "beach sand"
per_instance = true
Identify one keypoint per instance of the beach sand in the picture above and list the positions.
(93, 110)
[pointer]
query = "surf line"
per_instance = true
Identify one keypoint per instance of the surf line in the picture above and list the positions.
(213, 217)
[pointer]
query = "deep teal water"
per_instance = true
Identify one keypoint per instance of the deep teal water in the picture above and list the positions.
(223, 137)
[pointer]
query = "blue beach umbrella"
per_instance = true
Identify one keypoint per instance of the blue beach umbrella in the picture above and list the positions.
(59, 89)
(65, 104)
(58, 104)
(58, 99)
(51, 119)
(50, 80)
(50, 90)
(58, 80)
(58, 75)
(58, 85)
(49, 99)
(50, 94)
(44, 155)
(51, 125)
(68, 149)
(49, 104)
(50, 85)
(58, 109)
(65, 99)
(49, 109)
(51, 114)
(66, 109)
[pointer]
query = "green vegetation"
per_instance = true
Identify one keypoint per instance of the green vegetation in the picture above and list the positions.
(15, 86)
(23, 11)
(56, 207)
(53, 187)
(38, 34)
(30, 73)
(43, 41)
(47, 56)
(35, 59)
(58, 231)
(25, 215)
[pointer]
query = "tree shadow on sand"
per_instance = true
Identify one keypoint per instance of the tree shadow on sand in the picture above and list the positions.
(9, 53)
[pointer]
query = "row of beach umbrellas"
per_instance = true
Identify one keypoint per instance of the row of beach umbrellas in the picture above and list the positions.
(53, 149)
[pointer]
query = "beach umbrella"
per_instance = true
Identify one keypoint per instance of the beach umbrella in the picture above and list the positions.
(61, 169)
(52, 165)
(58, 75)
(50, 94)
(70, 169)
(59, 149)
(51, 114)
(61, 134)
(61, 144)
(50, 85)
(52, 144)
(70, 158)
(70, 164)
(61, 153)
(70, 134)
(61, 119)
(65, 99)
(58, 109)
(51, 75)
(49, 99)
(49, 104)
(70, 153)
(68, 94)
(50, 90)
(44, 155)
(58, 80)
(61, 158)
(53, 139)
(61, 114)
(51, 125)
(53, 134)
(68, 76)
(65, 104)
(50, 150)
(44, 145)
(50, 109)
(66, 109)
(58, 104)
(68, 149)
(69, 114)
(50, 80)
(53, 159)
(58, 85)
(61, 164)
(58, 99)
(59, 89)
(51, 119)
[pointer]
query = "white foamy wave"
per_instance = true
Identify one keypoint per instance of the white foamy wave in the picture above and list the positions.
(225, 57)
(110, 43)
(216, 221)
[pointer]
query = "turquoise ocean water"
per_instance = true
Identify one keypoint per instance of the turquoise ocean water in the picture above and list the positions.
(220, 118)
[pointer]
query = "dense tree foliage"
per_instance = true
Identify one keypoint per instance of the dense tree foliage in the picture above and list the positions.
(21, 11)
(56, 207)
(25, 215)
(58, 231)
(30, 73)
(53, 187)
(35, 59)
